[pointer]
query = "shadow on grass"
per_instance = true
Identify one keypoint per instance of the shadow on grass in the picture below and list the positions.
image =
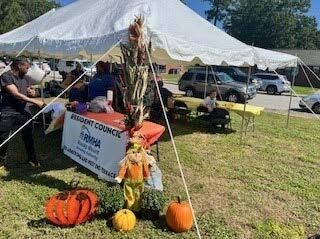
(182, 127)
(50, 155)
(40, 223)
(160, 224)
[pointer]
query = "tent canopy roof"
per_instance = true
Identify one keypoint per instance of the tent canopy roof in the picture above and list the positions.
(177, 34)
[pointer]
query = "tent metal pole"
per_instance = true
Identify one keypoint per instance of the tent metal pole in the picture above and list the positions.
(245, 105)
(41, 93)
(216, 83)
(111, 61)
(54, 68)
(206, 83)
(91, 59)
(290, 102)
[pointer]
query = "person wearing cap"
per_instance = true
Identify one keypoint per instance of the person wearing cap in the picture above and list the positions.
(16, 93)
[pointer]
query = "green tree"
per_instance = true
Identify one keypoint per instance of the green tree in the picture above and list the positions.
(15, 13)
(35, 8)
(272, 23)
(11, 16)
(218, 10)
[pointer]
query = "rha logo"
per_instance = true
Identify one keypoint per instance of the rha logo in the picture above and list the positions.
(86, 137)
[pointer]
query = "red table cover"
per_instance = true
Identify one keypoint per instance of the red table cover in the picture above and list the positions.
(150, 131)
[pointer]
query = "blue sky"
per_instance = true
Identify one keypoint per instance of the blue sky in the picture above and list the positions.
(200, 7)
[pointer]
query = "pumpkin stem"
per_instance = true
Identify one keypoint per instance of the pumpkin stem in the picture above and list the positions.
(179, 199)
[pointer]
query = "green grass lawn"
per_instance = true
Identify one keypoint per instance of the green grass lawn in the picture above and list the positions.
(171, 78)
(301, 90)
(267, 188)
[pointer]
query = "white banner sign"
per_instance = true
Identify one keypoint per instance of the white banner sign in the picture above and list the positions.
(94, 145)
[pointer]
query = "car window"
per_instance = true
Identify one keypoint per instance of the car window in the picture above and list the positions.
(187, 76)
(69, 63)
(225, 78)
(239, 72)
(201, 78)
(267, 77)
(86, 64)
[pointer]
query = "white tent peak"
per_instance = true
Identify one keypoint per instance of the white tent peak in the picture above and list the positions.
(177, 33)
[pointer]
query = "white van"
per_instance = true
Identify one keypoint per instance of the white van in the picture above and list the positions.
(66, 66)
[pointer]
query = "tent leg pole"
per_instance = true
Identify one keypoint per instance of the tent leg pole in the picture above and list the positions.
(91, 59)
(290, 102)
(42, 97)
(216, 83)
(245, 106)
(206, 84)
(54, 68)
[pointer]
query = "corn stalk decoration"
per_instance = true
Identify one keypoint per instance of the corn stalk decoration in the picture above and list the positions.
(136, 71)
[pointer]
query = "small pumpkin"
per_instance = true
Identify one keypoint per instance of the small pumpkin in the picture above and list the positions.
(179, 216)
(124, 220)
(71, 208)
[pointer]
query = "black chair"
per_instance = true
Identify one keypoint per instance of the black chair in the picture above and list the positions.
(181, 109)
(215, 118)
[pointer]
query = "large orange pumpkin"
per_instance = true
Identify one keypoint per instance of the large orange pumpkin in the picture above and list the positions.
(71, 208)
(179, 216)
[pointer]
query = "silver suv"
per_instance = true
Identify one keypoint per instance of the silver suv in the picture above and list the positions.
(272, 83)
(312, 101)
(193, 83)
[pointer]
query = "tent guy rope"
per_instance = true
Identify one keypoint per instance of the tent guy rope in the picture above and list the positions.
(173, 142)
(63, 92)
(305, 73)
(317, 77)
(293, 91)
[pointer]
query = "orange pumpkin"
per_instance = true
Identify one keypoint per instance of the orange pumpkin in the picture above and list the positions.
(71, 208)
(179, 216)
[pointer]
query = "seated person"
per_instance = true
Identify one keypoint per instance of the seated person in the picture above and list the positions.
(101, 83)
(211, 105)
(210, 102)
(78, 71)
(167, 97)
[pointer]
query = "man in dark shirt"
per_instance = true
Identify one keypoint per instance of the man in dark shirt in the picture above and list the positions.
(16, 93)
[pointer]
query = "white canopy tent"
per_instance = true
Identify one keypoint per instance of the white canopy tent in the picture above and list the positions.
(178, 34)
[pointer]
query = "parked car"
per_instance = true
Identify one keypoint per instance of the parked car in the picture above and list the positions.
(66, 66)
(193, 83)
(312, 101)
(273, 83)
(238, 75)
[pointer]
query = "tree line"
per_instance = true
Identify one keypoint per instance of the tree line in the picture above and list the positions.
(15, 13)
(267, 23)
(263, 23)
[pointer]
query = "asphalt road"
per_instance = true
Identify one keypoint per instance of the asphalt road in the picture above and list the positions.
(273, 103)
